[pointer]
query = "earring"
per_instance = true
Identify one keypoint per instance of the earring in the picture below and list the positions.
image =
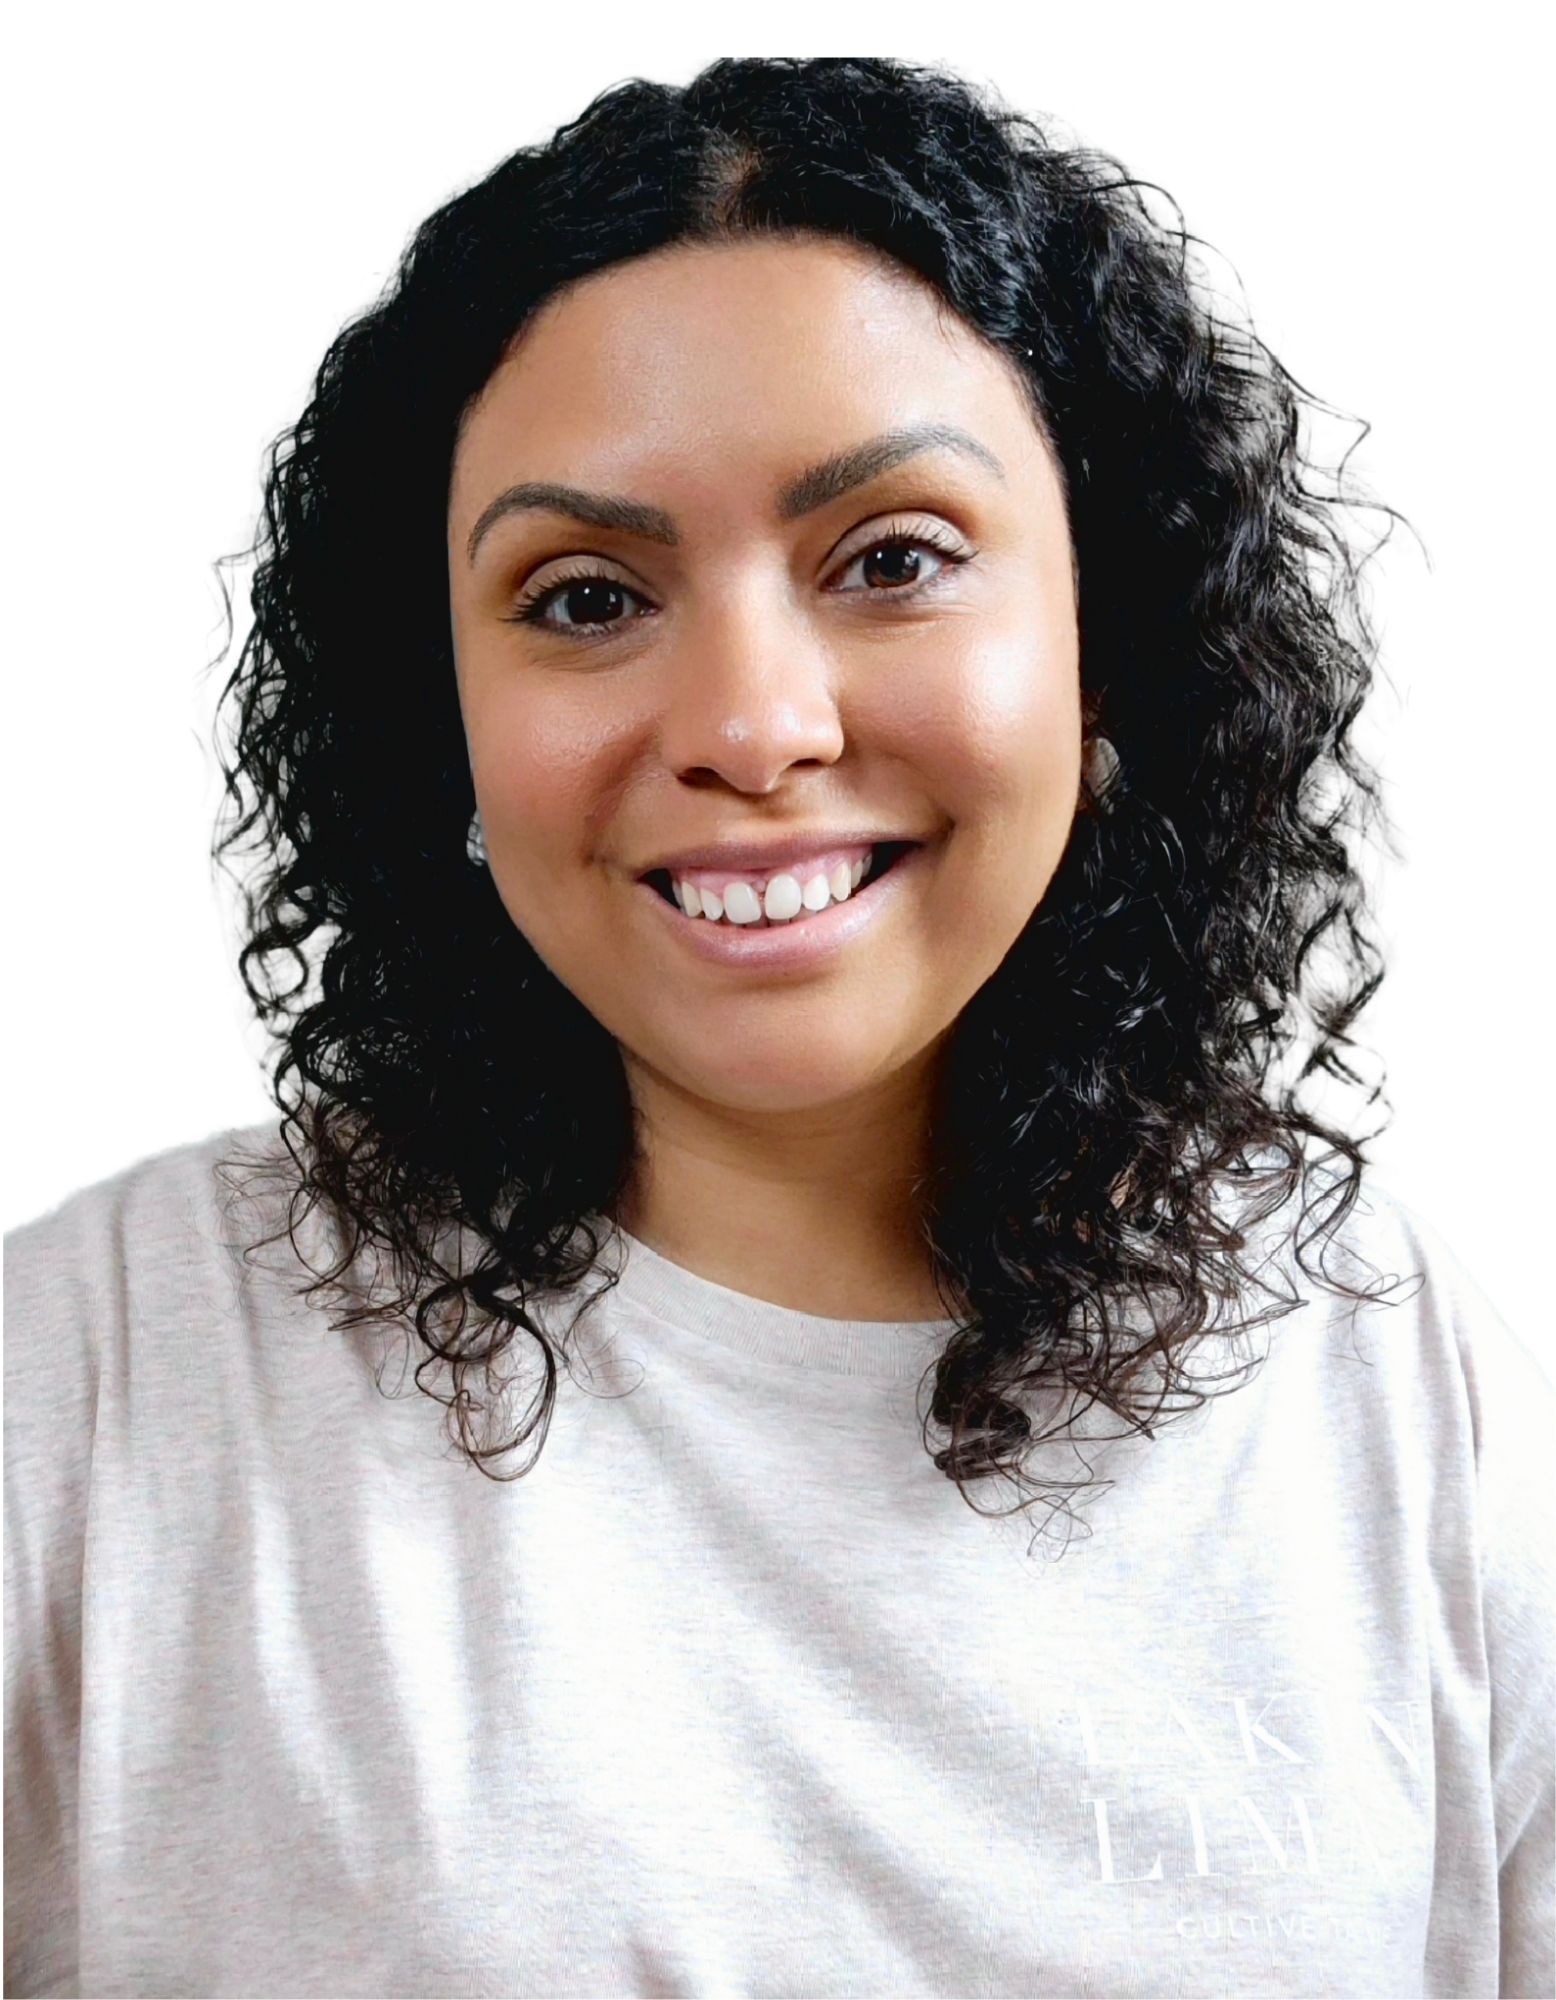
(475, 840)
(1100, 766)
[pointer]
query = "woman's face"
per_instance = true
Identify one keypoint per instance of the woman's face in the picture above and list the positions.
(753, 670)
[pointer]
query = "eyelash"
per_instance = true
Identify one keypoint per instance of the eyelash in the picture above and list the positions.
(532, 610)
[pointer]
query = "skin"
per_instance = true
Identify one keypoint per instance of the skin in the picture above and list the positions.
(759, 677)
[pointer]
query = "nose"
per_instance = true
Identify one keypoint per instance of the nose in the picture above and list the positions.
(747, 696)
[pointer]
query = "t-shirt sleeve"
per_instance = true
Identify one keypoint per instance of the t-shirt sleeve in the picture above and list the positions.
(1516, 1407)
(58, 1294)
(1513, 1414)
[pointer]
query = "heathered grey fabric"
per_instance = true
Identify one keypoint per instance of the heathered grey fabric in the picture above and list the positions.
(734, 1694)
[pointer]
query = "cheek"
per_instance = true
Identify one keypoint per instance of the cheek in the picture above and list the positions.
(536, 771)
(1004, 723)
(540, 795)
(533, 752)
(1005, 728)
(538, 810)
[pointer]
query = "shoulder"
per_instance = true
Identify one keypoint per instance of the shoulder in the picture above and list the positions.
(1373, 1325)
(1374, 1241)
(1449, 1308)
(1424, 1370)
(119, 1300)
(177, 1182)
(129, 1246)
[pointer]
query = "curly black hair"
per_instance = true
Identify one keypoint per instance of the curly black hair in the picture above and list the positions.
(1123, 1063)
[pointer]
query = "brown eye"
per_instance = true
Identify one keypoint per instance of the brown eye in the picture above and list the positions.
(589, 598)
(589, 595)
(902, 552)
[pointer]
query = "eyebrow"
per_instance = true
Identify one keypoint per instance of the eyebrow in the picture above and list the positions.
(816, 487)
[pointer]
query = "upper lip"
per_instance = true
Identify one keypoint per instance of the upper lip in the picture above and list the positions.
(759, 856)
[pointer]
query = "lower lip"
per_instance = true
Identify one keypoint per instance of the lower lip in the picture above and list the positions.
(796, 945)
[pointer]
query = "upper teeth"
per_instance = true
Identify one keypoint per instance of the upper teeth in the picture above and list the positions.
(785, 896)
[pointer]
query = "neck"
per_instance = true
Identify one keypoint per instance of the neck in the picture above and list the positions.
(816, 1210)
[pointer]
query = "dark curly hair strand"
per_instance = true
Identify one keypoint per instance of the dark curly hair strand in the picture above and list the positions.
(434, 1076)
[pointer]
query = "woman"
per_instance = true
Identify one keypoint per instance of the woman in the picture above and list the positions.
(796, 737)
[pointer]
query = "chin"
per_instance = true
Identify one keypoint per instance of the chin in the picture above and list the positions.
(794, 1073)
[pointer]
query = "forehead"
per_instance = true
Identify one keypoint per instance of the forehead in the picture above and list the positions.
(725, 359)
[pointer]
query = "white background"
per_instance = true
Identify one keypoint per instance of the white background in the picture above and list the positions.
(200, 200)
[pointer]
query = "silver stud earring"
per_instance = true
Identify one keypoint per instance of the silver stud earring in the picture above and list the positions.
(1101, 768)
(475, 840)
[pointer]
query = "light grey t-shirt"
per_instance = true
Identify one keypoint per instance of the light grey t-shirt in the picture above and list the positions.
(733, 1693)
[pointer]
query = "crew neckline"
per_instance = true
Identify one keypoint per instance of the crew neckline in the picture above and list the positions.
(651, 1284)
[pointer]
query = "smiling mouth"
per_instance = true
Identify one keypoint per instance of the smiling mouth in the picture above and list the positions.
(884, 856)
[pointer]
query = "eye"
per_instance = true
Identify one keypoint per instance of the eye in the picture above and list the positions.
(595, 592)
(899, 540)
(588, 589)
